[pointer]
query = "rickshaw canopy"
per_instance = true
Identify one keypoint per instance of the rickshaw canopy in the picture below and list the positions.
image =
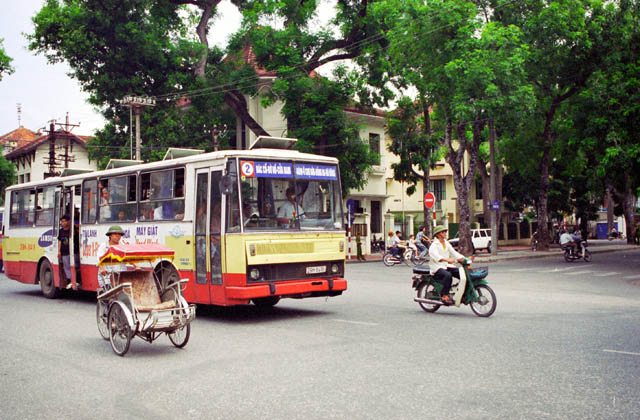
(136, 252)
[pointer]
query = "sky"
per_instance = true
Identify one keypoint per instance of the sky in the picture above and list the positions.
(45, 91)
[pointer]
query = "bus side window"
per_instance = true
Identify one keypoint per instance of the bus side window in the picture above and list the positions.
(89, 195)
(45, 205)
(23, 208)
(163, 192)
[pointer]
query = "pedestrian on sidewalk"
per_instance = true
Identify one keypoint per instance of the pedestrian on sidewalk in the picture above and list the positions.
(359, 249)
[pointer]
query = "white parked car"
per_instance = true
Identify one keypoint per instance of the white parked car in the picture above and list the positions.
(481, 239)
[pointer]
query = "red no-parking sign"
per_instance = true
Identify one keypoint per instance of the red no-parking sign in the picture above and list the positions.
(429, 200)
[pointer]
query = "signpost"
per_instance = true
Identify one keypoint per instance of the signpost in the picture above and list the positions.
(430, 203)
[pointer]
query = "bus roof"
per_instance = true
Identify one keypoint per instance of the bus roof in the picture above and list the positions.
(219, 155)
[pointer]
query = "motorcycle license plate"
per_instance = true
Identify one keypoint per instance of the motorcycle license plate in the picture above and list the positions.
(317, 270)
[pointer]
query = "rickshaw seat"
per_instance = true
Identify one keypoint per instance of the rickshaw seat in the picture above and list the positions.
(145, 292)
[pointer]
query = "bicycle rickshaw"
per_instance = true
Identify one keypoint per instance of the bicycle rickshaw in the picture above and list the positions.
(132, 301)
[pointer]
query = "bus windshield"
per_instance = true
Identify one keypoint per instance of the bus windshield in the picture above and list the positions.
(281, 195)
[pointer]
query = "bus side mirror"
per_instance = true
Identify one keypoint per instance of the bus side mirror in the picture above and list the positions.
(226, 185)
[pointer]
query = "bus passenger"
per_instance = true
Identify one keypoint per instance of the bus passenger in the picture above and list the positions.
(64, 236)
(146, 212)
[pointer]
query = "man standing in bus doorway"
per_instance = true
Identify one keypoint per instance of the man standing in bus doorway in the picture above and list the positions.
(114, 233)
(63, 248)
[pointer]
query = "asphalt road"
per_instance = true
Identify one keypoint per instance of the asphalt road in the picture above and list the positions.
(564, 343)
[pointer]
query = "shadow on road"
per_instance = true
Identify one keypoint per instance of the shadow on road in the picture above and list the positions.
(251, 314)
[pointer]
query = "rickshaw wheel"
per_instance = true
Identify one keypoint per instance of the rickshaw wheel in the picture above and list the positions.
(119, 330)
(47, 284)
(102, 313)
(180, 337)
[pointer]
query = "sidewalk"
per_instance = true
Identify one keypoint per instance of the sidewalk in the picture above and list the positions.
(515, 252)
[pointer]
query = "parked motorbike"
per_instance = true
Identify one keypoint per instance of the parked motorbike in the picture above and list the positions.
(472, 289)
(570, 254)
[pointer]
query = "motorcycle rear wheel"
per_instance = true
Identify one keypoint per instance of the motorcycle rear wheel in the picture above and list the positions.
(486, 304)
(587, 255)
(567, 256)
(426, 291)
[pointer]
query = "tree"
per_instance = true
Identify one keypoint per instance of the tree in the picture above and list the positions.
(412, 138)
(468, 70)
(5, 62)
(313, 105)
(7, 175)
(565, 39)
(606, 112)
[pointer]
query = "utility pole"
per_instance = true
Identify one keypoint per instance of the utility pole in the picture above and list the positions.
(66, 156)
(137, 104)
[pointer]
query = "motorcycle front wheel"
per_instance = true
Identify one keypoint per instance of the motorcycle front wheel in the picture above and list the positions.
(486, 303)
(587, 255)
(389, 260)
(567, 256)
(426, 291)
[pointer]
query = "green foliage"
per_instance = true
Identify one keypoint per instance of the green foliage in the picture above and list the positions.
(5, 62)
(7, 175)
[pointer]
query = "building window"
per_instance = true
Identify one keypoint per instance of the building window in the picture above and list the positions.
(374, 145)
(437, 187)
(20, 179)
(478, 189)
(27, 177)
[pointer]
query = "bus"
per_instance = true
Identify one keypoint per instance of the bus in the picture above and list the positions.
(246, 225)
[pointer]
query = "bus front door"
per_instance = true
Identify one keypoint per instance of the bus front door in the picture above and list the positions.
(207, 232)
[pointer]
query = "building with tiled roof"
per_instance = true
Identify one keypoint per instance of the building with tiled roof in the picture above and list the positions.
(49, 155)
(16, 138)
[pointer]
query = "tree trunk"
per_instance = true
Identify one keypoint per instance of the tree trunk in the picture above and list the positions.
(426, 182)
(202, 29)
(462, 183)
(236, 101)
(610, 206)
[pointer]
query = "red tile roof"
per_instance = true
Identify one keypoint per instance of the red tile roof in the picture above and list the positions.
(20, 135)
(28, 147)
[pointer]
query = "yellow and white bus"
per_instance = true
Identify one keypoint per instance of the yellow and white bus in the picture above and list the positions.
(237, 236)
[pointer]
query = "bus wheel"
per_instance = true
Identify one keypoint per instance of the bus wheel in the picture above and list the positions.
(266, 302)
(166, 275)
(45, 276)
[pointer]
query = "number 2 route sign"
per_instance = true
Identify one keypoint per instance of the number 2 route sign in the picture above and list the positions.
(429, 200)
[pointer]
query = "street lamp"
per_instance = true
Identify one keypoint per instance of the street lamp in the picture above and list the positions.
(137, 104)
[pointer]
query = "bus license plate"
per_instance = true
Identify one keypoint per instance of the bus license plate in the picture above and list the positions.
(317, 270)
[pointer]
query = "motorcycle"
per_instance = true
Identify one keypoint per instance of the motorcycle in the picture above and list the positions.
(570, 254)
(390, 260)
(471, 289)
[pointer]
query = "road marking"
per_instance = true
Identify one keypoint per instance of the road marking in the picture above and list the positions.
(556, 270)
(612, 273)
(622, 352)
(515, 270)
(355, 322)
(577, 273)
(637, 276)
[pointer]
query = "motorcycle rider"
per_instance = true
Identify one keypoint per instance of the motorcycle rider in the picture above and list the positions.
(421, 238)
(442, 259)
(567, 240)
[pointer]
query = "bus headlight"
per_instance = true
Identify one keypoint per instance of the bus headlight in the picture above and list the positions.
(335, 268)
(254, 274)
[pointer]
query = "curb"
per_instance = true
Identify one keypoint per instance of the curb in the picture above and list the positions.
(529, 254)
